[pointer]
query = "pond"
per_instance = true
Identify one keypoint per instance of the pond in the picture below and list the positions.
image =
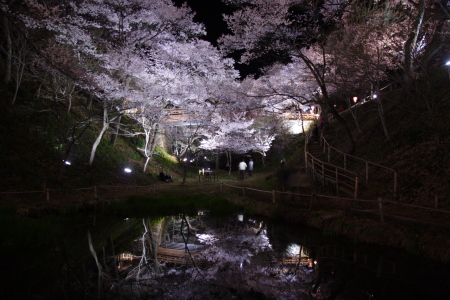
(105, 256)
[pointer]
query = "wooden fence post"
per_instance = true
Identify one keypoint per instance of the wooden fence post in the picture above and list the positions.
(323, 174)
(313, 169)
(380, 207)
(306, 158)
(380, 266)
(395, 186)
(367, 172)
(312, 199)
(273, 196)
(337, 182)
(329, 155)
(356, 187)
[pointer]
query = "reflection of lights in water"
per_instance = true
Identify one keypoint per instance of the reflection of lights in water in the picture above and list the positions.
(127, 170)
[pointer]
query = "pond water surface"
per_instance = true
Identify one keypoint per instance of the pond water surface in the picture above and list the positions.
(243, 258)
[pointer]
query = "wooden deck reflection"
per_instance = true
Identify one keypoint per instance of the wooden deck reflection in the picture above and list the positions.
(178, 253)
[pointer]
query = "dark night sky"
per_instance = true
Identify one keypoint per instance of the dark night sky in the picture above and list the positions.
(209, 12)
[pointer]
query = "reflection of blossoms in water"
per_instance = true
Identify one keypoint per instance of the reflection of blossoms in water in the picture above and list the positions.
(207, 239)
(233, 250)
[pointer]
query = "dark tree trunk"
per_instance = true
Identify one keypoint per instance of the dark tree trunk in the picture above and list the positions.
(7, 44)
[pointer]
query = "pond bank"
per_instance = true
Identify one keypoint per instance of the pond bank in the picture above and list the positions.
(433, 243)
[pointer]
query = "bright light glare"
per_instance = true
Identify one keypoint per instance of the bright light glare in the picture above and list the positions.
(447, 63)
(185, 159)
(127, 170)
(67, 162)
(374, 96)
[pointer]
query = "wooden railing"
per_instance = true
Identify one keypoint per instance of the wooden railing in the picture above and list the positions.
(346, 161)
(307, 201)
(380, 207)
(343, 180)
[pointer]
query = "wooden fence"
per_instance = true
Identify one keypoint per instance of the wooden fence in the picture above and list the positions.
(378, 207)
(343, 180)
(346, 161)
(93, 191)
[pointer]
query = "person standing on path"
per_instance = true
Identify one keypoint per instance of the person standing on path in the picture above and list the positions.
(250, 167)
(242, 167)
(315, 133)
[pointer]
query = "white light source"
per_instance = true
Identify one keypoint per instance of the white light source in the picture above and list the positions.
(374, 96)
(127, 170)
(185, 159)
(67, 162)
(355, 99)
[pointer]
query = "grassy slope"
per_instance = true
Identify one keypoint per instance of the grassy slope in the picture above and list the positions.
(32, 150)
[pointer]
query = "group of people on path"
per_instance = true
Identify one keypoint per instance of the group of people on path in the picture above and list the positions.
(243, 166)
